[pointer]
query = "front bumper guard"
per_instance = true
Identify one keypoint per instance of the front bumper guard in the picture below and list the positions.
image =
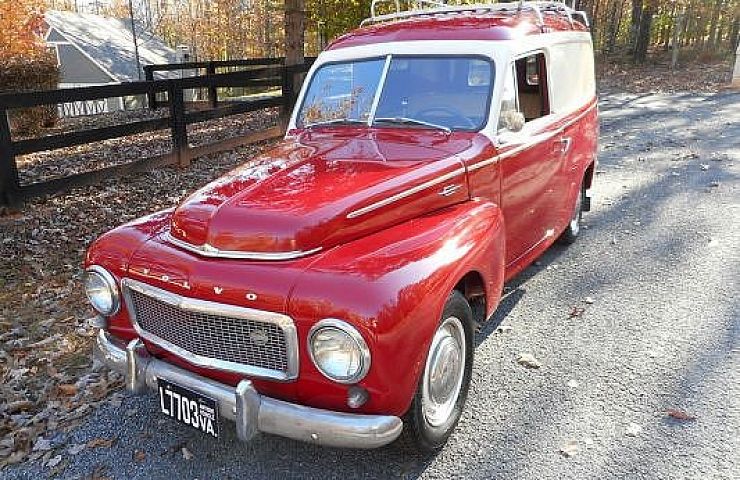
(250, 411)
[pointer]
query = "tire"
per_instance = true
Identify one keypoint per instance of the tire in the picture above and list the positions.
(429, 423)
(570, 235)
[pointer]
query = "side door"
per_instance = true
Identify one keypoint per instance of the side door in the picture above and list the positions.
(530, 155)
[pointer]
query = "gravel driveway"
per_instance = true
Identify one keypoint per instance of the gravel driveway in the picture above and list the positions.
(644, 382)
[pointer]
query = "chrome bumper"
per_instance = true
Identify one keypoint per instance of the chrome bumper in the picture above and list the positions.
(250, 411)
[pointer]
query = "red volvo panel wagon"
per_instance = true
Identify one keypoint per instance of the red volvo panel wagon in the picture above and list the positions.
(328, 290)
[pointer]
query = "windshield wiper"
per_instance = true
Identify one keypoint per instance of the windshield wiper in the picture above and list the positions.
(336, 121)
(411, 121)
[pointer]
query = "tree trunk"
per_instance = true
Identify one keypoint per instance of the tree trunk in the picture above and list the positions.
(713, 40)
(635, 24)
(643, 35)
(613, 27)
(294, 20)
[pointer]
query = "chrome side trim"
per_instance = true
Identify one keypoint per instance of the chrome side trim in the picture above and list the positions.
(484, 163)
(404, 194)
(206, 250)
(203, 306)
(254, 412)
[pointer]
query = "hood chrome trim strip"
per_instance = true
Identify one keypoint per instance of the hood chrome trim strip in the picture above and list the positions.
(404, 194)
(206, 250)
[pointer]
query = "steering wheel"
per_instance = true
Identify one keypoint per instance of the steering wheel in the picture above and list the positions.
(451, 113)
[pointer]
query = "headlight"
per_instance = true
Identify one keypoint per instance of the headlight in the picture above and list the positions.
(339, 351)
(101, 290)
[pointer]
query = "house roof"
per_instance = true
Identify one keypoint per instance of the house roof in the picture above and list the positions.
(109, 43)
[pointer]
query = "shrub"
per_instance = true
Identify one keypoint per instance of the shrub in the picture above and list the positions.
(18, 74)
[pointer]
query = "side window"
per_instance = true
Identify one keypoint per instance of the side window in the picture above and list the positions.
(531, 74)
(509, 104)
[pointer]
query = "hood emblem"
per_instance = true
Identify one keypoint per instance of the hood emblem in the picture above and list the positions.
(251, 296)
(259, 337)
(218, 290)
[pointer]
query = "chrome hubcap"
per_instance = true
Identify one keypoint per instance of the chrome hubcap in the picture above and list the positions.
(575, 222)
(443, 373)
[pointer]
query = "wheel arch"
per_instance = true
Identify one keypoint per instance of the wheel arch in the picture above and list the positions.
(473, 288)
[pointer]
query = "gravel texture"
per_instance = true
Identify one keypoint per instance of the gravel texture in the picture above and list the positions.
(637, 328)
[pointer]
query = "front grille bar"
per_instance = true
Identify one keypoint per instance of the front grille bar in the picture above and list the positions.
(195, 306)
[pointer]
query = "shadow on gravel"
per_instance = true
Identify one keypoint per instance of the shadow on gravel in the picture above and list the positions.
(671, 241)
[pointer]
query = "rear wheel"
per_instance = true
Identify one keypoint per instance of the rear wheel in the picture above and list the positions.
(443, 386)
(570, 235)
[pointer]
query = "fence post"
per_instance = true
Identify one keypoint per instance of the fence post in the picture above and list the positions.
(151, 95)
(212, 91)
(288, 75)
(10, 194)
(177, 124)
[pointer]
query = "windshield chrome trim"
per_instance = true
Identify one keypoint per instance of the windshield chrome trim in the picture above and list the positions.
(207, 250)
(403, 194)
(379, 91)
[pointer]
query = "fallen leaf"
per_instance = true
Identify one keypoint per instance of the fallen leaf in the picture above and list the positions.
(576, 311)
(139, 455)
(53, 462)
(569, 449)
(528, 361)
(679, 414)
(68, 389)
(100, 443)
(18, 406)
(187, 454)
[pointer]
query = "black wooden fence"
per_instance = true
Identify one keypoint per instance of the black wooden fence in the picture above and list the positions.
(13, 193)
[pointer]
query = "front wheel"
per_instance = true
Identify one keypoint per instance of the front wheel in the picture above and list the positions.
(443, 386)
(570, 235)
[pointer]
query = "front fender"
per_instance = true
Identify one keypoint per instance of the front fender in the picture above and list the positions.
(392, 286)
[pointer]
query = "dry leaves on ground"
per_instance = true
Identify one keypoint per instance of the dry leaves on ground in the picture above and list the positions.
(619, 75)
(48, 382)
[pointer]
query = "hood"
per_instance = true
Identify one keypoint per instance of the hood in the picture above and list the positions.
(320, 189)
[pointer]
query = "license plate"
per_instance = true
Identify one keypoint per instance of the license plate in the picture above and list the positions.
(189, 407)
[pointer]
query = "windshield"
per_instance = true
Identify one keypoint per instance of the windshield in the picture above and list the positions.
(446, 92)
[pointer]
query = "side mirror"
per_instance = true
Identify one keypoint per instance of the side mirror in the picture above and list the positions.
(512, 120)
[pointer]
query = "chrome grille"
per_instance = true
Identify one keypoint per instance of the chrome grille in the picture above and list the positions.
(214, 335)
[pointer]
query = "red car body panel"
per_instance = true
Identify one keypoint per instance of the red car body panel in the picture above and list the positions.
(387, 270)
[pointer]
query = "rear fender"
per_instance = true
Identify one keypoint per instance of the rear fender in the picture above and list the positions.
(392, 286)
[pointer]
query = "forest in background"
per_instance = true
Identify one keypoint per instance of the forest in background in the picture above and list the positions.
(228, 29)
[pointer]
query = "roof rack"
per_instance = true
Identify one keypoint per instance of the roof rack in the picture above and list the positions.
(430, 8)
